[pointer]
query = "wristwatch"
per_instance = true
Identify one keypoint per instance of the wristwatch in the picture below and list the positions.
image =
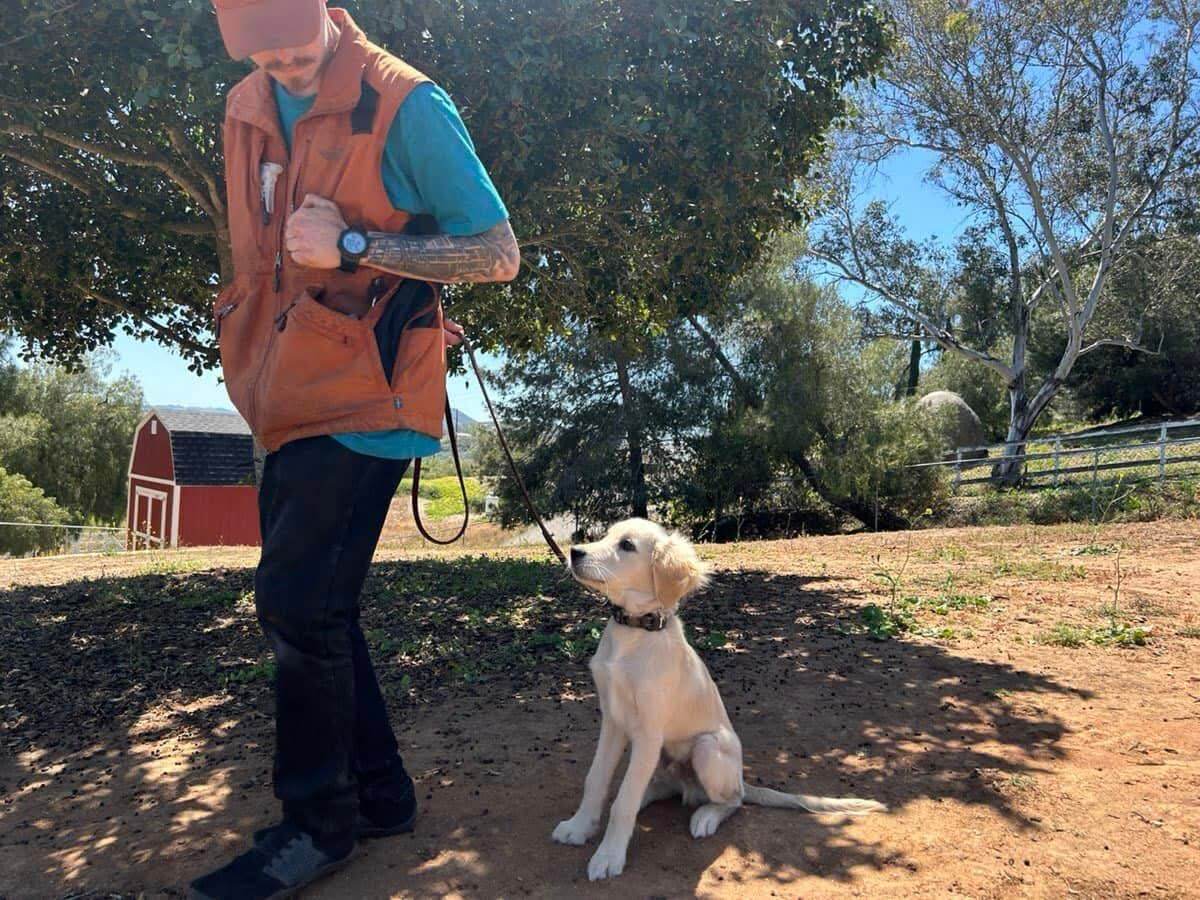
(352, 244)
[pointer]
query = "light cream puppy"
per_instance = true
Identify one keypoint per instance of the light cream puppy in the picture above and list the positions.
(657, 695)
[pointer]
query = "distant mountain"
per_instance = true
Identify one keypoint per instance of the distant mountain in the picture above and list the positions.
(463, 422)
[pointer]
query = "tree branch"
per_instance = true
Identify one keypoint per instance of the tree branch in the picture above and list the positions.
(116, 154)
(162, 330)
(197, 227)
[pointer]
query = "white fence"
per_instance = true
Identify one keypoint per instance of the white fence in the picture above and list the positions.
(48, 538)
(1157, 452)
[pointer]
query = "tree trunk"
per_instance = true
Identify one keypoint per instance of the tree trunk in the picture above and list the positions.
(914, 366)
(873, 516)
(1023, 415)
(633, 433)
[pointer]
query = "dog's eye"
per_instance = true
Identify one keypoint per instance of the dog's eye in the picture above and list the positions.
(627, 545)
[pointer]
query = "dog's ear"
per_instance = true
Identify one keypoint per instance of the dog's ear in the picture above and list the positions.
(677, 570)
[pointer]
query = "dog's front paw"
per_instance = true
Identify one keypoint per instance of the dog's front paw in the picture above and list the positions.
(574, 831)
(606, 862)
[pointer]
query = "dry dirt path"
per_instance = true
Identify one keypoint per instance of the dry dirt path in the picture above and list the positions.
(136, 721)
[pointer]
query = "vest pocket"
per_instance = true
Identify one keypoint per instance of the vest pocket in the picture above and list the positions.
(322, 366)
(419, 376)
(233, 315)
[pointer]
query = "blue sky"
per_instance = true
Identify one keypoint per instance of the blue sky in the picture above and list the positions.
(924, 210)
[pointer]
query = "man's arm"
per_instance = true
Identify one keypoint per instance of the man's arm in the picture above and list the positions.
(491, 256)
(312, 233)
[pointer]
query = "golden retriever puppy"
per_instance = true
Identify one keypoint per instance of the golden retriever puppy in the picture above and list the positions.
(657, 696)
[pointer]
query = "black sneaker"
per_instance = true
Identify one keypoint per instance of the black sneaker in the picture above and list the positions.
(386, 824)
(387, 805)
(283, 860)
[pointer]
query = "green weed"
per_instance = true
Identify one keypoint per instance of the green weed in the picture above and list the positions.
(1111, 634)
(263, 670)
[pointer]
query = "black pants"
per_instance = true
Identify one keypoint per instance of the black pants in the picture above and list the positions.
(322, 508)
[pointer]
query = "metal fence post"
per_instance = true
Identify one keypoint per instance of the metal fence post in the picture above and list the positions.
(1162, 454)
(1095, 469)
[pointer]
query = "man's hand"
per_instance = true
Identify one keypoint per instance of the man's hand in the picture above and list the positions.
(452, 332)
(313, 231)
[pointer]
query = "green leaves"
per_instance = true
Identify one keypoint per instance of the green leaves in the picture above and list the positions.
(641, 146)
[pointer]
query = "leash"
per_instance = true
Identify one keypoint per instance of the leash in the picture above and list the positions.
(462, 483)
(512, 465)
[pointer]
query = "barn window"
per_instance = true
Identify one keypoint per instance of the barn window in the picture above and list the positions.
(154, 426)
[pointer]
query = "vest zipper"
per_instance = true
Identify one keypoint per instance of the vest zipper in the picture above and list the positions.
(291, 172)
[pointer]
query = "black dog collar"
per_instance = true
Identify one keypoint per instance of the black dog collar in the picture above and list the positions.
(651, 621)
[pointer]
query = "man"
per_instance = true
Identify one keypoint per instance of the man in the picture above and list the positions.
(353, 190)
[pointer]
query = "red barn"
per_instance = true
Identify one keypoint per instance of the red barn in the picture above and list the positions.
(191, 481)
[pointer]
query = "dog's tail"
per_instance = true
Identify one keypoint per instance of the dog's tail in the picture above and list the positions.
(761, 796)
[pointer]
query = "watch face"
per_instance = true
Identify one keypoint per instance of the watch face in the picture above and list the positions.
(354, 242)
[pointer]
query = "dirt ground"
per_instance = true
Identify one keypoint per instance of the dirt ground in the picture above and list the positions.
(136, 720)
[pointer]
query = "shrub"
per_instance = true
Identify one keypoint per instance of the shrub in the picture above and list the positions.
(21, 501)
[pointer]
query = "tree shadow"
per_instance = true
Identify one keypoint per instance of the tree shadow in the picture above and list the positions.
(137, 731)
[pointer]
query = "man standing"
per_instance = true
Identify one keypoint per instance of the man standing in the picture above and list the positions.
(353, 190)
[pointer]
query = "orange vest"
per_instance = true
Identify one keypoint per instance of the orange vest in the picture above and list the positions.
(298, 348)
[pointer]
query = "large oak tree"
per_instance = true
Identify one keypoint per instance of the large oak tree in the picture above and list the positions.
(644, 148)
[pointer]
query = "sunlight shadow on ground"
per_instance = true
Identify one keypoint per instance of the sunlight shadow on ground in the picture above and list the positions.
(137, 725)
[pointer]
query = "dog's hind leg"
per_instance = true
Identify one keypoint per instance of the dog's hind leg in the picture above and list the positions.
(717, 759)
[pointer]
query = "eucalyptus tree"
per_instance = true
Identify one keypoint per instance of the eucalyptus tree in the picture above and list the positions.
(1066, 129)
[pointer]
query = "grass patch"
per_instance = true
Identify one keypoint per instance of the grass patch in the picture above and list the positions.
(951, 553)
(1112, 634)
(1191, 631)
(443, 495)
(1095, 550)
(263, 670)
(903, 615)
(1038, 569)
(178, 565)
(223, 598)
(1113, 502)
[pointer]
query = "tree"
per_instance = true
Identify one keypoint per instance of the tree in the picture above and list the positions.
(20, 501)
(643, 147)
(1065, 128)
(780, 404)
(599, 429)
(70, 433)
(823, 391)
(1154, 291)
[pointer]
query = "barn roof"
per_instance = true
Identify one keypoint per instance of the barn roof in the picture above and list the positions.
(210, 421)
(209, 446)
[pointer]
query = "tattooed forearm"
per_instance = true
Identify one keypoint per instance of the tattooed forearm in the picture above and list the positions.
(491, 256)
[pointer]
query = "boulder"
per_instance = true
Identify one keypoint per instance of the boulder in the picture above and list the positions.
(957, 422)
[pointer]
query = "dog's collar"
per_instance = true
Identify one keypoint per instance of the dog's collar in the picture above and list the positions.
(651, 621)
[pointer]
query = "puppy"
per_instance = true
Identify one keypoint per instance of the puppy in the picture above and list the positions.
(657, 695)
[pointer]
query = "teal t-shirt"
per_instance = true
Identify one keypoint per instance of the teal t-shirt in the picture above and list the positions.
(429, 168)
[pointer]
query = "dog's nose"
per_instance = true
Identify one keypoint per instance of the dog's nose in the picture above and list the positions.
(577, 555)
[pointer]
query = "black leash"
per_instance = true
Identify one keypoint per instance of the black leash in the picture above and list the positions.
(462, 483)
(458, 468)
